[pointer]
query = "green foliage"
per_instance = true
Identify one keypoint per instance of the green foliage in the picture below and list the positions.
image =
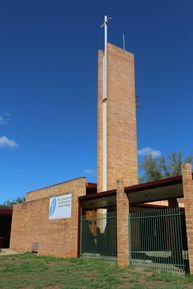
(163, 167)
(10, 203)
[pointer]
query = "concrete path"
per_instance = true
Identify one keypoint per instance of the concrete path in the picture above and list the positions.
(4, 252)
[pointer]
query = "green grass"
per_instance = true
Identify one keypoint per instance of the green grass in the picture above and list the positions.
(29, 271)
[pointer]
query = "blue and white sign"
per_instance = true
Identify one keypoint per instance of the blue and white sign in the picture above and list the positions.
(60, 207)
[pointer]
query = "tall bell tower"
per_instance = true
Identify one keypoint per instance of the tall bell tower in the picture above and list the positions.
(117, 137)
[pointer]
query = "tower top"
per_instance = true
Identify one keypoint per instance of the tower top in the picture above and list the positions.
(104, 24)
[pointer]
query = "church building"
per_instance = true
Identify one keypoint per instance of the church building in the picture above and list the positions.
(77, 218)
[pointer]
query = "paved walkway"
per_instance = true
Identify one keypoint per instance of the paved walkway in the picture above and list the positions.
(7, 252)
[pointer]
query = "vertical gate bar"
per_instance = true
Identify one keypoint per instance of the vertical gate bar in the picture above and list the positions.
(156, 238)
(146, 246)
(163, 239)
(180, 241)
(148, 233)
(137, 232)
(178, 238)
(177, 235)
(181, 232)
(133, 233)
(162, 252)
(136, 224)
(170, 236)
(168, 239)
(159, 237)
(172, 242)
(173, 237)
(153, 236)
(166, 242)
(129, 237)
(151, 222)
(133, 228)
(141, 230)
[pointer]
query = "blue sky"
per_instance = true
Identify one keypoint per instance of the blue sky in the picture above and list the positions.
(48, 84)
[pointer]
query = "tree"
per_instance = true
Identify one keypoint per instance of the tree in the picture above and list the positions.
(10, 203)
(163, 167)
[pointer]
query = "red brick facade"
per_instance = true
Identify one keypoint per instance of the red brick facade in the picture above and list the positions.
(122, 226)
(188, 203)
(121, 119)
(31, 224)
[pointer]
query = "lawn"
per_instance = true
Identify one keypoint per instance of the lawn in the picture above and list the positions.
(29, 271)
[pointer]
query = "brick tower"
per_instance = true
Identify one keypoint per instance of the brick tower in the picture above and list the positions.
(117, 148)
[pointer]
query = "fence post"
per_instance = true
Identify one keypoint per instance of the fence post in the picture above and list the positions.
(122, 225)
(188, 202)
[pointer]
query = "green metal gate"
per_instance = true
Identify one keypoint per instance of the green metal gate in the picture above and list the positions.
(97, 242)
(157, 239)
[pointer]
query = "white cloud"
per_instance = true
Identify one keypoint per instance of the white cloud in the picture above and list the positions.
(5, 142)
(149, 151)
(89, 172)
(4, 118)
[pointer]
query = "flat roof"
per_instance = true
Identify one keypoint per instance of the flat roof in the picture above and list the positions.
(6, 211)
(159, 190)
(98, 200)
(56, 184)
(163, 189)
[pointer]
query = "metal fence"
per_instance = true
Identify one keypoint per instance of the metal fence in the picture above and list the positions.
(99, 234)
(157, 240)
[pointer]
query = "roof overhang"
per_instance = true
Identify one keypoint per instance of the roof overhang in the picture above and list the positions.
(5, 211)
(98, 200)
(155, 191)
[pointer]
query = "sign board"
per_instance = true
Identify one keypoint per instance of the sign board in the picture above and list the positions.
(60, 207)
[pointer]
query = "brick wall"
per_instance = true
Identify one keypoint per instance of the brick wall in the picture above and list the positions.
(122, 225)
(55, 190)
(121, 119)
(188, 204)
(30, 222)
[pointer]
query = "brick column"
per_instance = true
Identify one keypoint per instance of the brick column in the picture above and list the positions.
(122, 225)
(188, 203)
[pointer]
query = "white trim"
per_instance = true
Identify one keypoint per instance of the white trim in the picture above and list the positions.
(105, 107)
